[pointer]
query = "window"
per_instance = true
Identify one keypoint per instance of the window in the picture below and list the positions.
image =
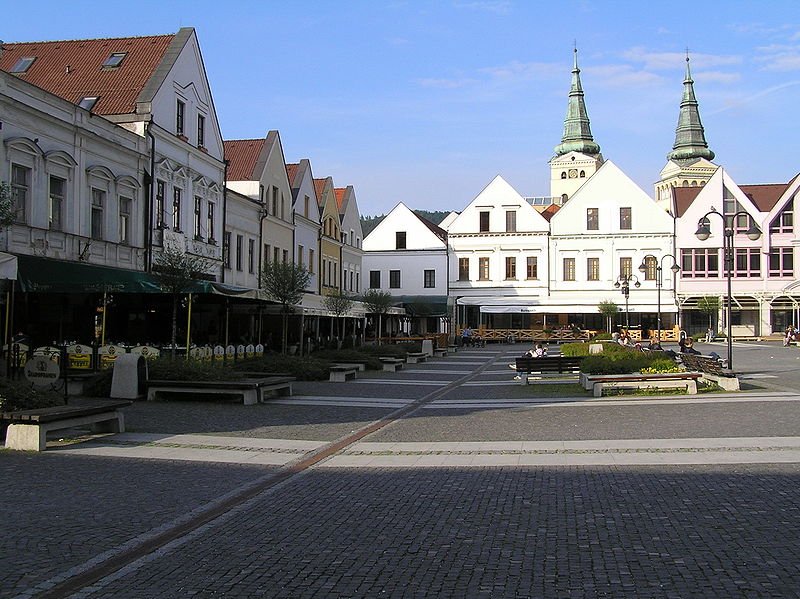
(198, 217)
(23, 64)
(394, 279)
(306, 202)
(276, 254)
(625, 219)
(400, 240)
(226, 249)
(650, 268)
(98, 202)
(351, 282)
(300, 255)
(125, 220)
(239, 251)
(201, 131)
(583, 175)
(593, 269)
(267, 252)
(358, 282)
(20, 187)
(261, 193)
(275, 198)
(374, 279)
(251, 255)
(484, 221)
(626, 266)
(114, 60)
(58, 188)
(700, 263)
(211, 222)
(160, 186)
(564, 175)
(310, 260)
(748, 262)
(730, 205)
(511, 267)
(781, 262)
(532, 268)
(285, 255)
(592, 219)
(463, 269)
(88, 102)
(180, 113)
(176, 209)
(784, 222)
(324, 271)
(511, 221)
(483, 269)
(569, 269)
(429, 279)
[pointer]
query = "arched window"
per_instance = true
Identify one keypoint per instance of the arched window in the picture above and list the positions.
(694, 183)
(583, 174)
(564, 175)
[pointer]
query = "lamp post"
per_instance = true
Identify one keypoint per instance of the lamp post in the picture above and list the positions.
(624, 282)
(729, 223)
(659, 268)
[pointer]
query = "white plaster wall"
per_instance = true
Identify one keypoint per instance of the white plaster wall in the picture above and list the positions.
(401, 218)
(411, 265)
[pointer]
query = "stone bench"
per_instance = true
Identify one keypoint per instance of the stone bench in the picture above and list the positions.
(440, 352)
(416, 357)
(392, 364)
(251, 391)
(360, 366)
(27, 429)
(452, 349)
(677, 380)
(340, 373)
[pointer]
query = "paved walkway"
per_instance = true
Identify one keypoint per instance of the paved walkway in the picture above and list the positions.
(445, 480)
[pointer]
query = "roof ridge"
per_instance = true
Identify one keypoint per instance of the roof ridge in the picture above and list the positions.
(88, 39)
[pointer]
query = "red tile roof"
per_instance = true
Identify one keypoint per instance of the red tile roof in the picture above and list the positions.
(684, 196)
(548, 212)
(73, 69)
(291, 172)
(319, 187)
(242, 155)
(340, 191)
(765, 196)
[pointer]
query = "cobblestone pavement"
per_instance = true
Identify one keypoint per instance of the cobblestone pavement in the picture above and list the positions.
(580, 532)
(708, 530)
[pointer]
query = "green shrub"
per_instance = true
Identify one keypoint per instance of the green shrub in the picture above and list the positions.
(620, 362)
(20, 395)
(167, 369)
(304, 368)
(601, 337)
(575, 350)
(390, 349)
(370, 361)
(661, 365)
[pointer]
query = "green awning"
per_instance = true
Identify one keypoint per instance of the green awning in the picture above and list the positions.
(45, 275)
(423, 305)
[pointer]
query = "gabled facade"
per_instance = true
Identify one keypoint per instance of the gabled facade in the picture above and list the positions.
(498, 253)
(330, 258)
(257, 169)
(242, 235)
(766, 296)
(351, 235)
(307, 222)
(407, 256)
(603, 233)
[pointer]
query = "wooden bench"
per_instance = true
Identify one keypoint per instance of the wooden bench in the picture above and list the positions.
(667, 380)
(416, 357)
(251, 391)
(340, 373)
(712, 370)
(27, 429)
(440, 352)
(392, 364)
(558, 365)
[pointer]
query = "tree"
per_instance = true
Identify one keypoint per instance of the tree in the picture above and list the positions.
(377, 302)
(709, 304)
(176, 272)
(608, 309)
(285, 282)
(7, 208)
(338, 303)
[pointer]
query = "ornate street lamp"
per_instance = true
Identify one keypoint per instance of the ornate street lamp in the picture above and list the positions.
(728, 222)
(659, 268)
(624, 282)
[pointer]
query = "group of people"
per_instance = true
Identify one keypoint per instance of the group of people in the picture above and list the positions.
(470, 339)
(791, 336)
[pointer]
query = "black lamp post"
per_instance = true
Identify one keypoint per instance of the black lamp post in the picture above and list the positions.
(624, 282)
(659, 268)
(729, 223)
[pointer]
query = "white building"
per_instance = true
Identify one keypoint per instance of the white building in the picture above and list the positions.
(307, 220)
(352, 252)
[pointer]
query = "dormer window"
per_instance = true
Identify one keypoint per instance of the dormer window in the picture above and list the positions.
(23, 64)
(88, 102)
(114, 60)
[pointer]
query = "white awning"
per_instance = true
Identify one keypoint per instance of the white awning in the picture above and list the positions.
(573, 309)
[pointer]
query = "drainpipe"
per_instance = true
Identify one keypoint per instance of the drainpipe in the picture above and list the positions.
(148, 206)
(224, 216)
(262, 214)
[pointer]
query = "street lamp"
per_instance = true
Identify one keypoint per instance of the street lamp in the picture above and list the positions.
(659, 268)
(624, 281)
(728, 222)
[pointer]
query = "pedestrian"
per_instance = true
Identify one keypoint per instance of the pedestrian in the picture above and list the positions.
(466, 336)
(709, 335)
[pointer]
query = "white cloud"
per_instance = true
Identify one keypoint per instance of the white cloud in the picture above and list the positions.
(500, 7)
(735, 103)
(670, 60)
(622, 75)
(779, 57)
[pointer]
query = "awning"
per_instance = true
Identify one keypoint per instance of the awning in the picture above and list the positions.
(46, 275)
(574, 309)
(423, 305)
(8, 266)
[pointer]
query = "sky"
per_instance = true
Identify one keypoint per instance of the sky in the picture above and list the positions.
(426, 102)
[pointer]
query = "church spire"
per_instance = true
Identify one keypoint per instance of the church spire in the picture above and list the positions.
(577, 134)
(690, 139)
